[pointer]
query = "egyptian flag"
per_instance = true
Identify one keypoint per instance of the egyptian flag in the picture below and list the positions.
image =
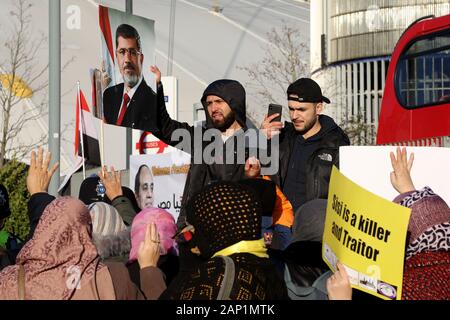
(107, 45)
(85, 126)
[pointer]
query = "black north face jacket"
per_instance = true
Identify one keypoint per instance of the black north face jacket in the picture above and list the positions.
(202, 174)
(320, 163)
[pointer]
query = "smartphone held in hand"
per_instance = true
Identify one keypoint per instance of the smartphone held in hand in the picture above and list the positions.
(275, 109)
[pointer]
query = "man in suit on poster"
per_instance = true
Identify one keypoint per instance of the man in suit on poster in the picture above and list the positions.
(132, 103)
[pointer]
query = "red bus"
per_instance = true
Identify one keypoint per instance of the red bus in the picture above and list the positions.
(415, 109)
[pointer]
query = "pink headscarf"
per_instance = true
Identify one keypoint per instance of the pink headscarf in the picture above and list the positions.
(165, 223)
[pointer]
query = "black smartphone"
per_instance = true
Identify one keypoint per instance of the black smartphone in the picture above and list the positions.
(273, 109)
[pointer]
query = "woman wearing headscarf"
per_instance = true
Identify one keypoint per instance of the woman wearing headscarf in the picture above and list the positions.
(426, 273)
(227, 221)
(61, 262)
(166, 227)
(38, 179)
(110, 234)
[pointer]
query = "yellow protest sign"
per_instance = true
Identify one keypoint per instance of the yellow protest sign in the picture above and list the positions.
(367, 234)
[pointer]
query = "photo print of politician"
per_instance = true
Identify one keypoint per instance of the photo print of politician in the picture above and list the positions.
(128, 88)
(158, 180)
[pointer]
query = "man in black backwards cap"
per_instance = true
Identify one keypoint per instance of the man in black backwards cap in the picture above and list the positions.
(309, 144)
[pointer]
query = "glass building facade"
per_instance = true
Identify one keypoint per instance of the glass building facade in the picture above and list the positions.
(351, 60)
(361, 29)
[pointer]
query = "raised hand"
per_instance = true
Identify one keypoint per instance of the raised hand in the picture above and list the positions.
(149, 249)
(401, 176)
(39, 175)
(155, 70)
(112, 182)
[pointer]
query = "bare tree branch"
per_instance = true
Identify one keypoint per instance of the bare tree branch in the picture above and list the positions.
(20, 77)
(359, 132)
(285, 60)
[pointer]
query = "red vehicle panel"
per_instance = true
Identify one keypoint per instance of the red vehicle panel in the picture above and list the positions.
(416, 101)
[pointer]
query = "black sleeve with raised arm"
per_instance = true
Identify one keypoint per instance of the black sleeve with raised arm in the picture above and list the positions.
(36, 206)
(166, 125)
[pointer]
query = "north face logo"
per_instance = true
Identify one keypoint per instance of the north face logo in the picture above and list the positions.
(326, 157)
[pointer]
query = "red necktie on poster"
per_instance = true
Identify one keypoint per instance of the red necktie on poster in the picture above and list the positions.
(123, 110)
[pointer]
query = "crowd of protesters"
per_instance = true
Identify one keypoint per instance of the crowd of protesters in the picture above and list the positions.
(240, 236)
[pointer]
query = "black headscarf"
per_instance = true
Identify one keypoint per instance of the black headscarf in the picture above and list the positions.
(224, 214)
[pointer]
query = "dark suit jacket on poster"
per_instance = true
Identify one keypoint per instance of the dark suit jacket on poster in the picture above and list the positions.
(141, 111)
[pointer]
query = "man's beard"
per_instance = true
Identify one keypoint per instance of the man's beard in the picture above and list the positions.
(226, 123)
(130, 79)
(308, 126)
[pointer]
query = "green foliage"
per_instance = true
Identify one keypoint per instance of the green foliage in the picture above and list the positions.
(13, 176)
(359, 132)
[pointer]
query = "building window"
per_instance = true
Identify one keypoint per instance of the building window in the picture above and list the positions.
(423, 72)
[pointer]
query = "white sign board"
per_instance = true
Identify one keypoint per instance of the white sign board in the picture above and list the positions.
(370, 167)
(114, 145)
(169, 171)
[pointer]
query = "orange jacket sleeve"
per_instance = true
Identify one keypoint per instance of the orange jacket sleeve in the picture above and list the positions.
(283, 213)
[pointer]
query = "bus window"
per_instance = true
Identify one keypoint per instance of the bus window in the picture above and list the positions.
(423, 72)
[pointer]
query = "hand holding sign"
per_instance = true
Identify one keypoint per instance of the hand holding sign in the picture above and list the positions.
(360, 232)
(338, 285)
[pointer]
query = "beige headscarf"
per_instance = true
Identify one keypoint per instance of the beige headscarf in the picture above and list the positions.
(60, 254)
